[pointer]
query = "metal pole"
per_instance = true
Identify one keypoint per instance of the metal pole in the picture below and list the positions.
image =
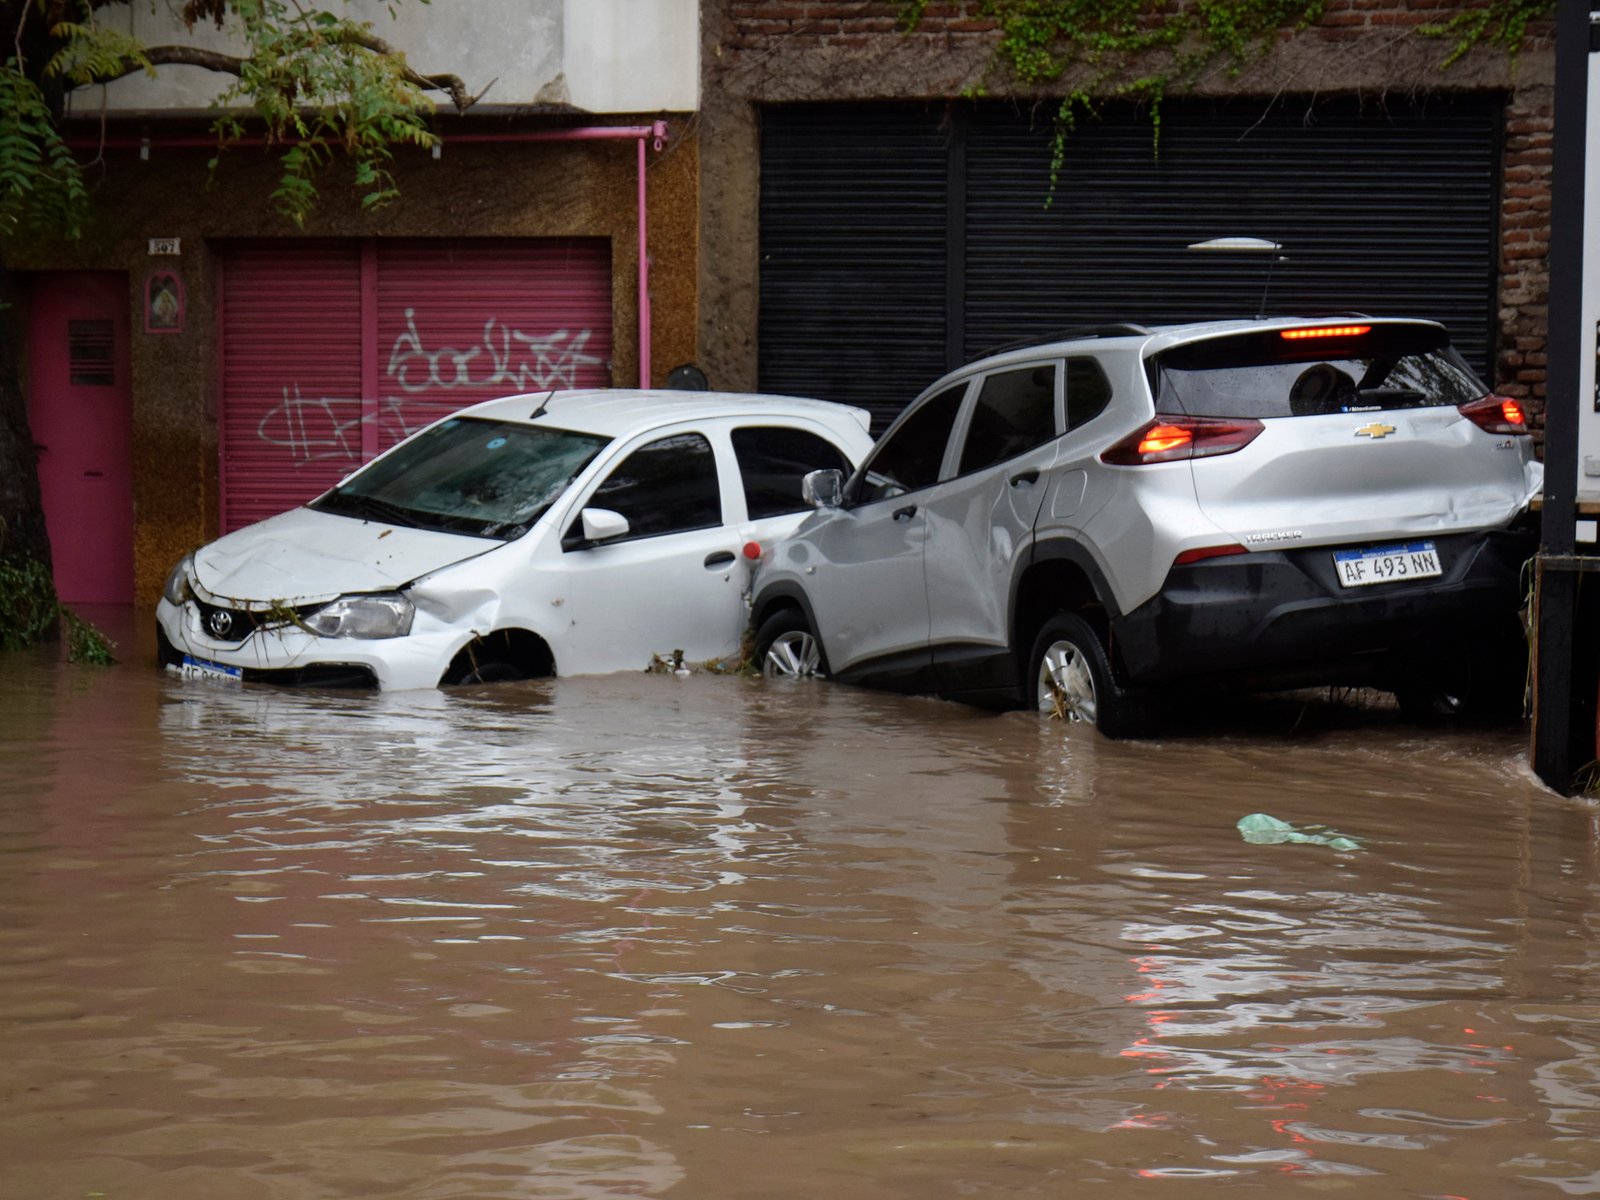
(1556, 742)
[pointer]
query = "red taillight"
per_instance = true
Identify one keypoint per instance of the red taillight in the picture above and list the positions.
(1324, 331)
(1173, 439)
(1200, 553)
(1496, 414)
(1163, 439)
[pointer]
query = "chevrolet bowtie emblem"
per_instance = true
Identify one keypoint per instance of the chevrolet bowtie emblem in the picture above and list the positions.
(1375, 431)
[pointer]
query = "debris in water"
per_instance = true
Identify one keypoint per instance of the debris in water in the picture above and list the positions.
(1261, 829)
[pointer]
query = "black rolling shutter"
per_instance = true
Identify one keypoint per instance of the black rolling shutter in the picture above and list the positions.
(1389, 210)
(853, 230)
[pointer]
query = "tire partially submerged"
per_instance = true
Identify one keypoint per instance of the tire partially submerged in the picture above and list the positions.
(786, 648)
(1073, 680)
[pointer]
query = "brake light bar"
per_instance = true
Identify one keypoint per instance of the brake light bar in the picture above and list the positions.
(1170, 438)
(1324, 331)
(1497, 414)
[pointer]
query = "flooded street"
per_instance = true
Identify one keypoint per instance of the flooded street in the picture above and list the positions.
(714, 938)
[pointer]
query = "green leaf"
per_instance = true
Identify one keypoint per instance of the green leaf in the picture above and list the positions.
(1147, 48)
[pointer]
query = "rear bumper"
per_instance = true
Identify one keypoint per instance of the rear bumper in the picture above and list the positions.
(1280, 618)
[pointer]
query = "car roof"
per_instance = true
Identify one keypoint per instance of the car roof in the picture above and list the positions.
(617, 412)
(1153, 338)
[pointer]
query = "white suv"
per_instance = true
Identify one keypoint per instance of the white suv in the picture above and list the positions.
(1087, 523)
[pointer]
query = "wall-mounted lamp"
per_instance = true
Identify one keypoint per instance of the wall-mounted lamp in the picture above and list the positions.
(1248, 245)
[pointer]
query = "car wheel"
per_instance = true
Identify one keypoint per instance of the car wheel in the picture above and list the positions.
(1073, 681)
(787, 649)
(489, 671)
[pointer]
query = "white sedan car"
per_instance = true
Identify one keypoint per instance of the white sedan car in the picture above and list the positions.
(575, 532)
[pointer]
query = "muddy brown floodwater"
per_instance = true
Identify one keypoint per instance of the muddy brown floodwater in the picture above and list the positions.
(713, 938)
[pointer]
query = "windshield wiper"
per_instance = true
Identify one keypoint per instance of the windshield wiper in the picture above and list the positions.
(371, 508)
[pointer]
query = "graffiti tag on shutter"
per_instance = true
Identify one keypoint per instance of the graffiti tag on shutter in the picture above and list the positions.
(508, 360)
(519, 361)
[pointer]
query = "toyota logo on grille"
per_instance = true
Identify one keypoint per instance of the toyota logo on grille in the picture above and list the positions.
(220, 623)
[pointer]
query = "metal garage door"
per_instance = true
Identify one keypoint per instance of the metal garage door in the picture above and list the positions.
(334, 350)
(897, 240)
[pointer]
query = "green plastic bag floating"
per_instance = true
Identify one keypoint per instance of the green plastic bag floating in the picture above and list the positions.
(1261, 829)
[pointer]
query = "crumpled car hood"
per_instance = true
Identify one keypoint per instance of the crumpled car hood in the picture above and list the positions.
(305, 557)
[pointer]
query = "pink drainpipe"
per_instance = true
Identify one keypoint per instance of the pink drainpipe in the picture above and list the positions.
(655, 134)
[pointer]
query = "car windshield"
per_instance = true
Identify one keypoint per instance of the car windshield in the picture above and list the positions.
(489, 479)
(1360, 369)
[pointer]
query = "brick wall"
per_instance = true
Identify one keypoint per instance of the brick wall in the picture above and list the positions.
(1525, 244)
(753, 23)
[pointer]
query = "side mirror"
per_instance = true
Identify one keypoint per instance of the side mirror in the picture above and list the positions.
(823, 489)
(602, 525)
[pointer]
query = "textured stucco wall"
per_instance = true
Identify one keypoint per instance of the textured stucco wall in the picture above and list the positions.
(602, 56)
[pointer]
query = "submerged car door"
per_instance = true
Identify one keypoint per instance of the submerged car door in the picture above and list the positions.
(865, 579)
(679, 551)
(981, 520)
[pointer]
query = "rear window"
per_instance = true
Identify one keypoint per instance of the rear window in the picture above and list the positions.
(772, 462)
(1266, 375)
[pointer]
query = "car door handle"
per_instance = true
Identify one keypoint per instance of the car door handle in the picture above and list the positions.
(1022, 477)
(906, 513)
(720, 558)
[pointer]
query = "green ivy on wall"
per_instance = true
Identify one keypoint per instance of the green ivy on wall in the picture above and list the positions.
(1142, 49)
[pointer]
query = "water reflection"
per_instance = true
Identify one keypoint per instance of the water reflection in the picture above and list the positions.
(645, 934)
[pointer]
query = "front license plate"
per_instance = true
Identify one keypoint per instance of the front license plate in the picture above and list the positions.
(199, 668)
(1387, 564)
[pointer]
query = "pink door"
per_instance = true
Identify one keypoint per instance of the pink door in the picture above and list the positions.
(80, 407)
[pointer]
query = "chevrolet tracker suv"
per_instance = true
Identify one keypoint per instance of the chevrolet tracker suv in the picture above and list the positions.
(1089, 524)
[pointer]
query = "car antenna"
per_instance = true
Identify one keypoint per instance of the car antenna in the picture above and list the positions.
(543, 404)
(1249, 245)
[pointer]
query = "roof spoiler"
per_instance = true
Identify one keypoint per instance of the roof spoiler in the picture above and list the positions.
(1071, 333)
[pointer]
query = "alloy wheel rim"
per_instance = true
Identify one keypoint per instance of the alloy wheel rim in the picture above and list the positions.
(1066, 686)
(792, 655)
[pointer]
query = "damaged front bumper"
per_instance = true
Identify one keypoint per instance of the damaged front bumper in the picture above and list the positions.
(287, 653)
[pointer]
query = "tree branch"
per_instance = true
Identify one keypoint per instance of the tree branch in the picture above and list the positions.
(22, 23)
(228, 64)
(191, 56)
(443, 82)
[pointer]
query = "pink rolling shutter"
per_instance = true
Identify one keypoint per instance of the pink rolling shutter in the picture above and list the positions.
(291, 375)
(306, 397)
(477, 320)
